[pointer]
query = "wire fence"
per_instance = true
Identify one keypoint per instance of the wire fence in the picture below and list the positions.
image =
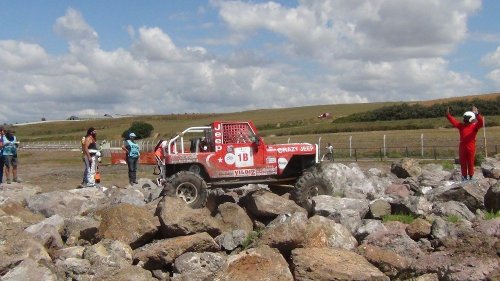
(346, 150)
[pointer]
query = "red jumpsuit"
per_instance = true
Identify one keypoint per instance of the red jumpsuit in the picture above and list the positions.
(467, 148)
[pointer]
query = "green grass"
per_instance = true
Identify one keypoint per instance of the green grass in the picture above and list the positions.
(453, 218)
(251, 238)
(491, 215)
(404, 218)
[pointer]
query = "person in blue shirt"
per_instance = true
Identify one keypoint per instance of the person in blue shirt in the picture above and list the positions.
(132, 151)
(10, 155)
(2, 133)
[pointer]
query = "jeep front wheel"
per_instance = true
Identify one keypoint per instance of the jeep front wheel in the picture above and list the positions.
(310, 184)
(190, 187)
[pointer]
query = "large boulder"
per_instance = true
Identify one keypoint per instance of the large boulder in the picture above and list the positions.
(336, 207)
(285, 233)
(15, 208)
(108, 255)
(18, 248)
(19, 194)
(233, 217)
(162, 253)
(261, 263)
(29, 269)
(406, 167)
(470, 193)
(492, 198)
(67, 203)
(389, 262)
(491, 168)
(263, 203)
(198, 266)
(453, 208)
(128, 223)
(322, 264)
(177, 219)
(323, 232)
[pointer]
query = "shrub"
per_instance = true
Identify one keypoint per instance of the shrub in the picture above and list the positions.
(404, 218)
(251, 237)
(491, 215)
(453, 218)
(141, 129)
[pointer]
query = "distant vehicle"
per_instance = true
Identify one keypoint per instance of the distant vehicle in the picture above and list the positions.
(325, 115)
(231, 154)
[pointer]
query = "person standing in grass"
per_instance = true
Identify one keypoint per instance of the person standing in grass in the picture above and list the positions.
(472, 122)
(10, 155)
(132, 151)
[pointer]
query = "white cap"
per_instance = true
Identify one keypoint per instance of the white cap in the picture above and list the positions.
(471, 115)
(132, 135)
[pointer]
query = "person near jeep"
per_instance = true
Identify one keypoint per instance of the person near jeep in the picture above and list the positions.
(467, 147)
(132, 151)
(90, 159)
(10, 155)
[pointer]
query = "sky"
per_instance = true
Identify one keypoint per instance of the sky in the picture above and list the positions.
(61, 58)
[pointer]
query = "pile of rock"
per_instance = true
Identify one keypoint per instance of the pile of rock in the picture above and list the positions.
(251, 233)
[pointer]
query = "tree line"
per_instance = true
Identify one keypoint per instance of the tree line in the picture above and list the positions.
(405, 111)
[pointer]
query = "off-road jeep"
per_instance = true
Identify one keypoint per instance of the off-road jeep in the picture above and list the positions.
(231, 154)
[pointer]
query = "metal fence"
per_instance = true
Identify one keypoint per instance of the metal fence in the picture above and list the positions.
(346, 151)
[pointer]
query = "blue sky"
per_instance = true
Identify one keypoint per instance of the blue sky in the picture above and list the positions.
(63, 58)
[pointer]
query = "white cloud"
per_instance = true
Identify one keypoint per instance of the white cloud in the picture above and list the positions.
(325, 52)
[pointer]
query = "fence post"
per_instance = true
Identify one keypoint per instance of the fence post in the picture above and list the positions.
(385, 149)
(422, 144)
(407, 154)
(356, 154)
(435, 153)
(350, 146)
(380, 154)
(319, 147)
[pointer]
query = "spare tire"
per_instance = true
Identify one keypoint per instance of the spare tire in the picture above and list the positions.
(310, 184)
(190, 187)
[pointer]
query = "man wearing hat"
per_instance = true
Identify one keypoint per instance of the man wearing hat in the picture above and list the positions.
(10, 155)
(468, 131)
(132, 151)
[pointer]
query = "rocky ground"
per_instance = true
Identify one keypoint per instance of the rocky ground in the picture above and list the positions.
(251, 233)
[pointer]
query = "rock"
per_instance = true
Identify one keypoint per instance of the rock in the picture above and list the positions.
(453, 208)
(263, 203)
(396, 239)
(129, 273)
(490, 168)
(18, 194)
(261, 263)
(74, 266)
(469, 193)
(432, 175)
(380, 208)
(368, 227)
(231, 240)
(18, 248)
(66, 203)
(406, 168)
(108, 255)
(418, 229)
(178, 219)
(386, 260)
(127, 223)
(69, 252)
(80, 228)
(29, 269)
(15, 208)
(162, 253)
(335, 207)
(332, 264)
(414, 205)
(131, 195)
(322, 232)
(285, 233)
(440, 229)
(233, 217)
(47, 235)
(398, 190)
(198, 266)
(489, 227)
(492, 198)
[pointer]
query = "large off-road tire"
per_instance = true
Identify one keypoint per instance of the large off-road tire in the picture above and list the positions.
(310, 184)
(190, 187)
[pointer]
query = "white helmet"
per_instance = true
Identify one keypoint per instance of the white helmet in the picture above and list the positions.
(470, 114)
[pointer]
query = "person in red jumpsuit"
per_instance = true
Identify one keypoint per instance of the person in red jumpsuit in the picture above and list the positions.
(468, 131)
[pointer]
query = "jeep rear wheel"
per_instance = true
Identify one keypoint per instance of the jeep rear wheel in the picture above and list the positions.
(310, 184)
(190, 187)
